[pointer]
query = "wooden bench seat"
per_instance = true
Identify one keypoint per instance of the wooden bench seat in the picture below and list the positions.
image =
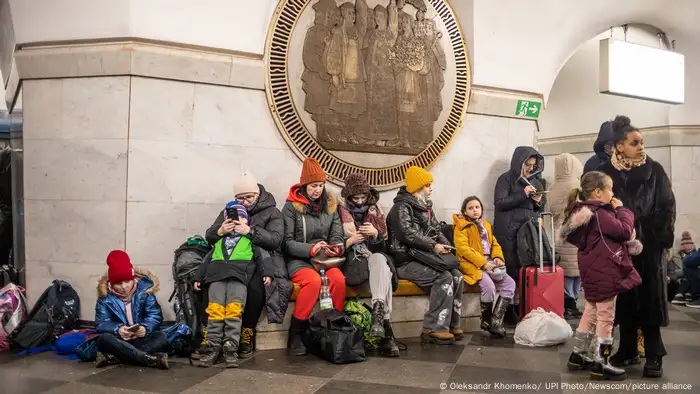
(406, 288)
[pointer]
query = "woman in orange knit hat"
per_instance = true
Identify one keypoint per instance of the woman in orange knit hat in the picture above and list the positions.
(312, 228)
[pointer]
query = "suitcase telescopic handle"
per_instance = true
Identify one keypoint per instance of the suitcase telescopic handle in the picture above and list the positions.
(540, 227)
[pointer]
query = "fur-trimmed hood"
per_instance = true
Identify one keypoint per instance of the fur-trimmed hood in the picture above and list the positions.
(146, 280)
(581, 217)
(331, 204)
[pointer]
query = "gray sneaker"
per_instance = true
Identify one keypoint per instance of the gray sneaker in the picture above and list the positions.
(694, 304)
(679, 299)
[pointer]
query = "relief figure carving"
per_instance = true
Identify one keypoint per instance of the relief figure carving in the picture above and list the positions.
(373, 77)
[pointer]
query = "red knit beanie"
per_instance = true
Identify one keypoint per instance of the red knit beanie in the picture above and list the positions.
(120, 268)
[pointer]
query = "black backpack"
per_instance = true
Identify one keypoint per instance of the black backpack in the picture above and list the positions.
(188, 303)
(528, 244)
(57, 311)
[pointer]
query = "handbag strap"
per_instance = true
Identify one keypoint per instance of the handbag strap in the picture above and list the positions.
(303, 225)
(602, 236)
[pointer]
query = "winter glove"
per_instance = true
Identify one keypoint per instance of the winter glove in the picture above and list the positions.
(316, 248)
(334, 251)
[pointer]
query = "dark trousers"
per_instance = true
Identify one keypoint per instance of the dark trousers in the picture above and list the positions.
(653, 344)
(255, 301)
(513, 270)
(133, 352)
(692, 276)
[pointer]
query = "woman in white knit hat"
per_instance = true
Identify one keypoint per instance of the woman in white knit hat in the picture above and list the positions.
(265, 229)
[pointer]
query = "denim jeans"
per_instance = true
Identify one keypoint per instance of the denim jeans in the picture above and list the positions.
(572, 285)
(133, 352)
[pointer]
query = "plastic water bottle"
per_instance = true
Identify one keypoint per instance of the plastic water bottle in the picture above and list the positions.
(324, 296)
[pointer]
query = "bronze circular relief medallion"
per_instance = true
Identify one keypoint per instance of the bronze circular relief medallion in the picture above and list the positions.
(369, 86)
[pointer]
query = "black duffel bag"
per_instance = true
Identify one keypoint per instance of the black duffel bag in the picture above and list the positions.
(334, 337)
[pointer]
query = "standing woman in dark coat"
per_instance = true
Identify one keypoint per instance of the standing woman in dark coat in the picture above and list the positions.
(516, 202)
(643, 186)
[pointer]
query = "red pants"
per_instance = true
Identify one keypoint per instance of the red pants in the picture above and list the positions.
(310, 282)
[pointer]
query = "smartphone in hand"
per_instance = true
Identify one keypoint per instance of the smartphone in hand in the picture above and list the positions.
(133, 328)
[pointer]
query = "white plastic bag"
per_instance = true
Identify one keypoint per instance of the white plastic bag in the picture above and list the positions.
(540, 328)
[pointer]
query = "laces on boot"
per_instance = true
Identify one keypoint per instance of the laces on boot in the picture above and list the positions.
(246, 336)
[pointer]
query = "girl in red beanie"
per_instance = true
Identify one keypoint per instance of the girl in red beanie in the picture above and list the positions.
(312, 228)
(128, 316)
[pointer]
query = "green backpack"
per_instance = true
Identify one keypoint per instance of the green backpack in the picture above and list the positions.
(361, 315)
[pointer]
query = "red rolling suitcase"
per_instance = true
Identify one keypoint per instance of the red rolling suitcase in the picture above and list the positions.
(542, 286)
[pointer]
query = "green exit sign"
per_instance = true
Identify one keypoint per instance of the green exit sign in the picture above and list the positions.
(530, 109)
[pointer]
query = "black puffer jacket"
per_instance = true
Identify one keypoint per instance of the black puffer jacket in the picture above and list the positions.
(411, 224)
(267, 233)
(512, 207)
(646, 190)
(599, 157)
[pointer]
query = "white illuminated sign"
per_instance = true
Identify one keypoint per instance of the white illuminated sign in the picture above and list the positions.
(642, 72)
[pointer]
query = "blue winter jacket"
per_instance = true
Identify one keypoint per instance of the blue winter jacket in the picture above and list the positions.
(692, 261)
(110, 311)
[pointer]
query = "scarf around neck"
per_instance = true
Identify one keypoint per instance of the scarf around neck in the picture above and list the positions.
(621, 163)
(485, 244)
(126, 298)
(315, 207)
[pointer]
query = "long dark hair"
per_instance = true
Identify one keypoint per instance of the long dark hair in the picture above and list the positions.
(467, 201)
(621, 126)
(590, 181)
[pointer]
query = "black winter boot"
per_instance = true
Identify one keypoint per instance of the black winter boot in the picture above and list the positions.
(208, 354)
(582, 357)
(387, 346)
(230, 354)
(296, 329)
(512, 317)
(159, 362)
(602, 369)
(569, 305)
(247, 345)
(486, 312)
(653, 367)
(377, 328)
(496, 327)
(104, 360)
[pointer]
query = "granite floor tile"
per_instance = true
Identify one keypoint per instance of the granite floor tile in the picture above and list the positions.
(48, 365)
(498, 379)
(280, 361)
(511, 358)
(430, 352)
(77, 387)
(681, 325)
(680, 337)
(483, 339)
(675, 316)
(178, 378)
(336, 386)
(252, 381)
(13, 383)
(397, 371)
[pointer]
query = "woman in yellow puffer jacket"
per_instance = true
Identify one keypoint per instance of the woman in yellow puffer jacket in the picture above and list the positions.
(481, 261)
